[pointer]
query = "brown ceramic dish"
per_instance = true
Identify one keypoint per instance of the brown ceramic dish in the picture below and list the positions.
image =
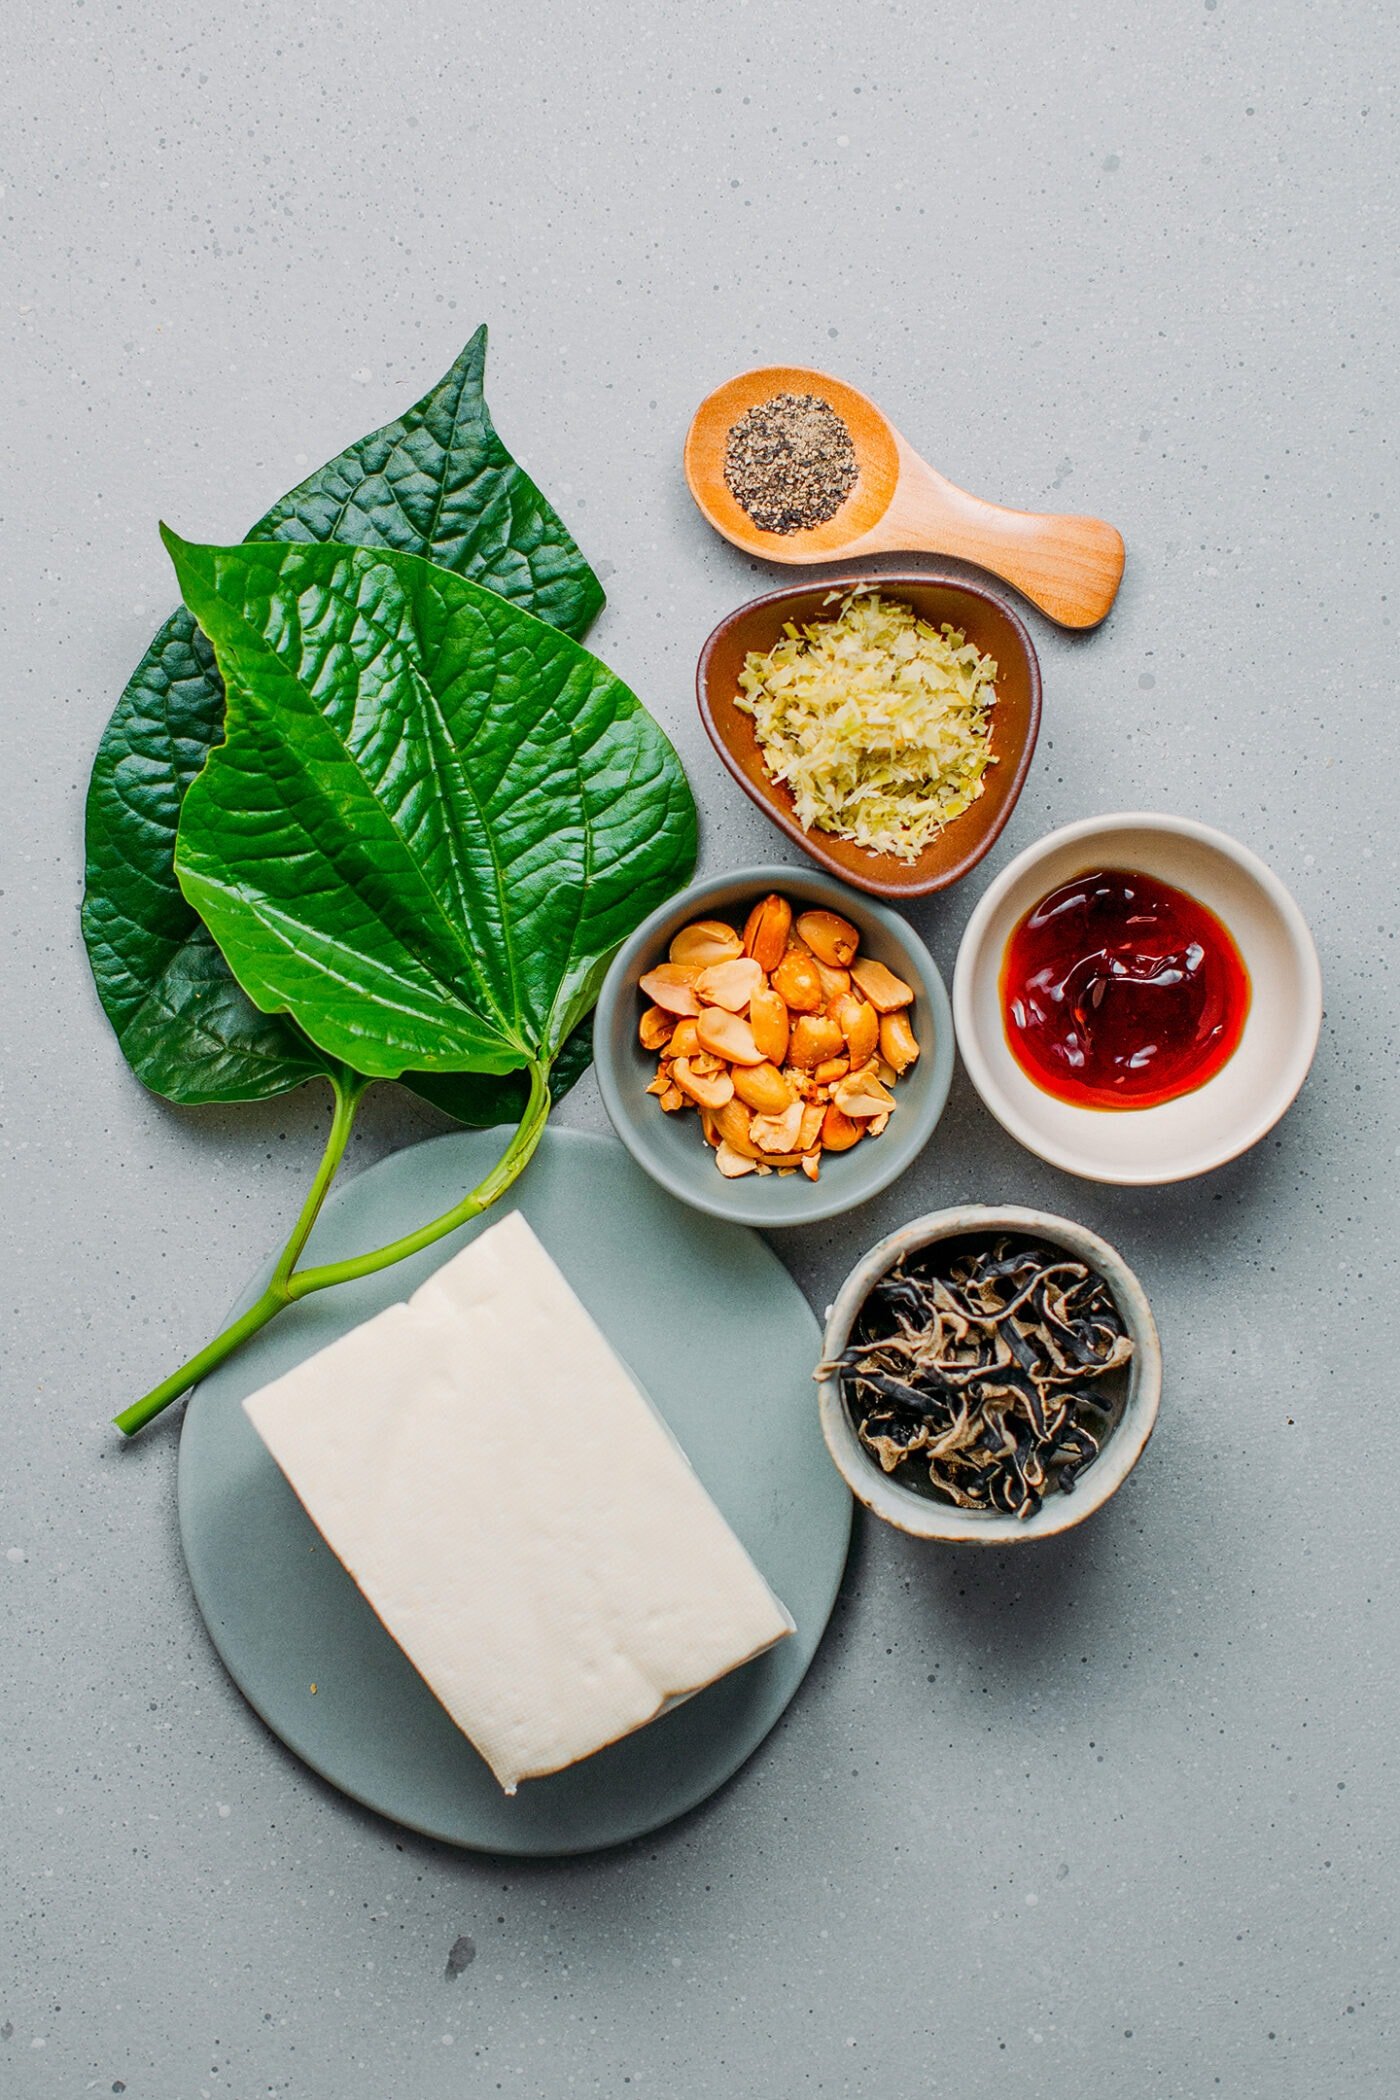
(987, 620)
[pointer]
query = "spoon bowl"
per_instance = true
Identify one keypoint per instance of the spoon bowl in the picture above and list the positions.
(1068, 566)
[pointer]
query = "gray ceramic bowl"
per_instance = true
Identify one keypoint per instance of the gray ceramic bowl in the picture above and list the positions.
(671, 1147)
(919, 1514)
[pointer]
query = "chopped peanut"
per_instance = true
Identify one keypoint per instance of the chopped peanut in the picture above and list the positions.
(764, 1088)
(832, 939)
(672, 985)
(710, 1089)
(656, 1028)
(797, 983)
(777, 1133)
(727, 1035)
(839, 1133)
(787, 1041)
(706, 941)
(898, 1047)
(860, 1025)
(768, 1018)
(685, 1040)
(766, 932)
(862, 1095)
(886, 992)
(836, 984)
(731, 984)
(814, 1039)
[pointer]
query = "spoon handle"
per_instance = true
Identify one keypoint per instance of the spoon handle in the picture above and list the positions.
(1070, 567)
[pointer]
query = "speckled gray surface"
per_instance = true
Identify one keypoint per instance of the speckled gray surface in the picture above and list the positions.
(1116, 1818)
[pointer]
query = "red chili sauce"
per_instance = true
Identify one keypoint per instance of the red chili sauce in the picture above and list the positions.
(1118, 991)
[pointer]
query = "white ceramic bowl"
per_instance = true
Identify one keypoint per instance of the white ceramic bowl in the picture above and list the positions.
(1232, 1111)
(919, 1514)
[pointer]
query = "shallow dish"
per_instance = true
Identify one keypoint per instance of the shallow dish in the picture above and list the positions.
(671, 1147)
(713, 1327)
(1198, 1130)
(986, 619)
(919, 1514)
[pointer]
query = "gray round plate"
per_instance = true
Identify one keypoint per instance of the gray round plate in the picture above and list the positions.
(725, 1344)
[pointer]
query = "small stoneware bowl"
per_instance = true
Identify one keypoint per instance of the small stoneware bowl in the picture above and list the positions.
(988, 622)
(672, 1148)
(1198, 1130)
(925, 1516)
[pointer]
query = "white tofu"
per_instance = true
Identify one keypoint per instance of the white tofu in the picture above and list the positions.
(515, 1510)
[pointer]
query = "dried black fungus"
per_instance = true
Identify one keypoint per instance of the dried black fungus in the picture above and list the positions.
(982, 1366)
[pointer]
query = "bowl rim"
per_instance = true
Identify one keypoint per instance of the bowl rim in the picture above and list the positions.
(883, 1495)
(825, 1203)
(888, 886)
(971, 963)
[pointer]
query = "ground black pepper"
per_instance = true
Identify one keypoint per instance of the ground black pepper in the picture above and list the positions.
(790, 463)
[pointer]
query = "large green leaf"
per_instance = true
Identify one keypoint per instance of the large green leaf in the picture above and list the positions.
(482, 1099)
(433, 818)
(437, 482)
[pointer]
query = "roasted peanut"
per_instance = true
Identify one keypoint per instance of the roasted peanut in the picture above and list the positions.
(656, 1028)
(835, 983)
(777, 1133)
(797, 982)
(727, 1035)
(786, 1039)
(710, 1089)
(732, 1122)
(898, 1045)
(862, 1095)
(832, 939)
(886, 992)
(684, 1040)
(766, 932)
(811, 1128)
(814, 1039)
(768, 1018)
(672, 985)
(764, 1088)
(706, 941)
(730, 984)
(860, 1025)
(839, 1133)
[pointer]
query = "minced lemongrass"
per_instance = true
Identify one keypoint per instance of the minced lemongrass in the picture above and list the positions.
(878, 722)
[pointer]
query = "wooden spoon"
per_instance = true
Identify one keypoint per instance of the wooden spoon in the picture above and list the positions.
(1070, 567)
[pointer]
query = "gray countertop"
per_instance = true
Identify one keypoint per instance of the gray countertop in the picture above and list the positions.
(1113, 1817)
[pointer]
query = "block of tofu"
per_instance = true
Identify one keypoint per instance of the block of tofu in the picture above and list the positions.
(515, 1510)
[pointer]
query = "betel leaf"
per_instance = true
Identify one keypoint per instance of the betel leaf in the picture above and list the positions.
(483, 1099)
(437, 482)
(433, 818)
